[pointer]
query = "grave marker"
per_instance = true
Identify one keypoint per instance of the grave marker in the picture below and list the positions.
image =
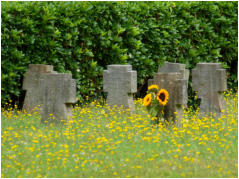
(209, 80)
(120, 82)
(31, 83)
(174, 78)
(54, 92)
(59, 93)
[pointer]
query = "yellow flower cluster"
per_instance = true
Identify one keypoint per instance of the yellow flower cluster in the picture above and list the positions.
(162, 96)
(104, 142)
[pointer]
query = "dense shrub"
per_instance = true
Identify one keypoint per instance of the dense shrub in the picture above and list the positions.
(84, 37)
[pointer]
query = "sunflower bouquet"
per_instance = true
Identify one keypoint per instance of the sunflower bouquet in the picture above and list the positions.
(155, 100)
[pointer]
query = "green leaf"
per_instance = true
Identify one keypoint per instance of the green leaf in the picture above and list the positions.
(153, 111)
(193, 52)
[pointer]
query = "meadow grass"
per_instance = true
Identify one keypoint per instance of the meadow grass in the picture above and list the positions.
(104, 142)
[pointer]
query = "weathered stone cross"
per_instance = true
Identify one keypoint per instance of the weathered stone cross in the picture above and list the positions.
(209, 80)
(174, 78)
(59, 93)
(55, 93)
(120, 82)
(31, 83)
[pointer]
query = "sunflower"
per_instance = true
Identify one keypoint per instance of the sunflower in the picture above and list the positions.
(147, 99)
(162, 97)
(153, 87)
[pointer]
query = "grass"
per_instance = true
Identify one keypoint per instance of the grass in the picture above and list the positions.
(104, 142)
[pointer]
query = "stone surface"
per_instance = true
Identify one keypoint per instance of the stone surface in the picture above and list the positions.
(120, 82)
(31, 83)
(54, 92)
(174, 78)
(59, 93)
(209, 80)
(180, 68)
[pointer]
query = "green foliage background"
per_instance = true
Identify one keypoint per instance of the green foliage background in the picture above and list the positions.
(84, 37)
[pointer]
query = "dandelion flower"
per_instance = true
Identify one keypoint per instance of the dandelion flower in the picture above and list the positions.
(162, 97)
(147, 99)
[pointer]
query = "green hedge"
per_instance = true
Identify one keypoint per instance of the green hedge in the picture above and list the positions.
(84, 37)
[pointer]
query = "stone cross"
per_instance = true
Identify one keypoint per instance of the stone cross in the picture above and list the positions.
(209, 80)
(54, 92)
(174, 78)
(31, 83)
(120, 82)
(59, 93)
(180, 68)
